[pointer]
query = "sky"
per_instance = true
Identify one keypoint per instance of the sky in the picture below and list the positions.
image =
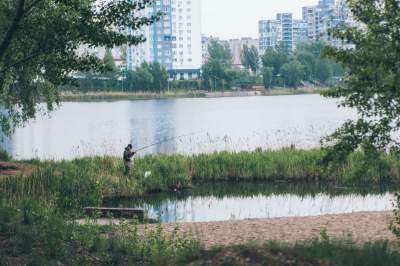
(239, 18)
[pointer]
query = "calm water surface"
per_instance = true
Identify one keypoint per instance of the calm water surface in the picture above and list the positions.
(96, 128)
(222, 201)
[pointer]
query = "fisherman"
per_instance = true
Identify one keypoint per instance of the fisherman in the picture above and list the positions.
(128, 155)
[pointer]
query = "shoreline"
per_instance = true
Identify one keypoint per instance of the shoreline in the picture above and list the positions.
(362, 227)
(181, 171)
(66, 96)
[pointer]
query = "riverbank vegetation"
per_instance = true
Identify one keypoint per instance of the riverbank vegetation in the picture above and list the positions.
(181, 93)
(115, 95)
(86, 181)
(38, 211)
(320, 251)
(35, 234)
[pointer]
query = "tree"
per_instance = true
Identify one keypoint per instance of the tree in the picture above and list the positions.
(292, 73)
(110, 65)
(323, 70)
(249, 58)
(215, 71)
(267, 74)
(142, 78)
(308, 61)
(160, 76)
(148, 77)
(221, 53)
(109, 77)
(39, 40)
(372, 85)
(275, 58)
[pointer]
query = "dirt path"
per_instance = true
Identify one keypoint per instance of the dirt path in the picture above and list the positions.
(362, 226)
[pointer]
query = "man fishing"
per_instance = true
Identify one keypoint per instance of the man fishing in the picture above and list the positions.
(128, 155)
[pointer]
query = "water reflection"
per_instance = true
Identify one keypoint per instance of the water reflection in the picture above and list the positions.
(93, 128)
(227, 201)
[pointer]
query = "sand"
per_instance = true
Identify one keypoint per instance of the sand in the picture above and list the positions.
(363, 227)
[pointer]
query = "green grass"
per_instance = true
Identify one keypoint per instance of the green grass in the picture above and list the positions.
(36, 235)
(5, 156)
(115, 95)
(173, 93)
(37, 212)
(345, 251)
(323, 252)
(71, 185)
(292, 91)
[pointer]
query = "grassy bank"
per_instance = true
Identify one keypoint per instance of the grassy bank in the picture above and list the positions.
(321, 252)
(71, 185)
(291, 91)
(115, 95)
(37, 235)
(37, 211)
(34, 235)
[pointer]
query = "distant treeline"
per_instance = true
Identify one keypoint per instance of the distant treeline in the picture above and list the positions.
(275, 68)
(148, 77)
(306, 64)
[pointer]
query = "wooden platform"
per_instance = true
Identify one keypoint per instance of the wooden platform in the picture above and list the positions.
(126, 213)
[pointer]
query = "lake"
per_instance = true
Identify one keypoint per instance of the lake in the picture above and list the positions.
(203, 126)
(237, 201)
(245, 123)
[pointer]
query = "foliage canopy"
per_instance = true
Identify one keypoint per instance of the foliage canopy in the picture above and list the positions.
(249, 58)
(39, 40)
(372, 84)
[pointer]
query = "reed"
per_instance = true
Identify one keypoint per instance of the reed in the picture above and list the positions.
(86, 181)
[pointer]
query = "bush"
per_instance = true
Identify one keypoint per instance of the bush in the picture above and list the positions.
(347, 252)
(41, 236)
(5, 156)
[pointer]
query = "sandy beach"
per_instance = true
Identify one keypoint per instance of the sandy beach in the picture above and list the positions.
(362, 227)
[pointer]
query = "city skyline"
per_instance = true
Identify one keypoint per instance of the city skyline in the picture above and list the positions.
(243, 16)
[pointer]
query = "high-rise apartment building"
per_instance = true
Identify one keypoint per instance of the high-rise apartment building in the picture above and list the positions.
(326, 3)
(285, 30)
(319, 19)
(314, 26)
(326, 15)
(311, 17)
(300, 32)
(174, 41)
(267, 34)
(345, 15)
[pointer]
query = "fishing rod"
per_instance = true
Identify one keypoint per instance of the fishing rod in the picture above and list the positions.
(165, 140)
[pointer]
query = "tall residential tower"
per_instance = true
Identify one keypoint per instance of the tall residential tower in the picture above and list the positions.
(174, 41)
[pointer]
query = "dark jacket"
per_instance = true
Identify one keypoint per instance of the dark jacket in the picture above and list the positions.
(128, 154)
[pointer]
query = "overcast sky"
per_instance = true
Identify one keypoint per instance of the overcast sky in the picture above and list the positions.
(239, 18)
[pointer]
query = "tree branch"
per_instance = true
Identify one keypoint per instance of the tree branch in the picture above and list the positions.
(13, 28)
(25, 59)
(29, 8)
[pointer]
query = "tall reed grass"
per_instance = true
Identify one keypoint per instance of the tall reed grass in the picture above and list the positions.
(85, 181)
